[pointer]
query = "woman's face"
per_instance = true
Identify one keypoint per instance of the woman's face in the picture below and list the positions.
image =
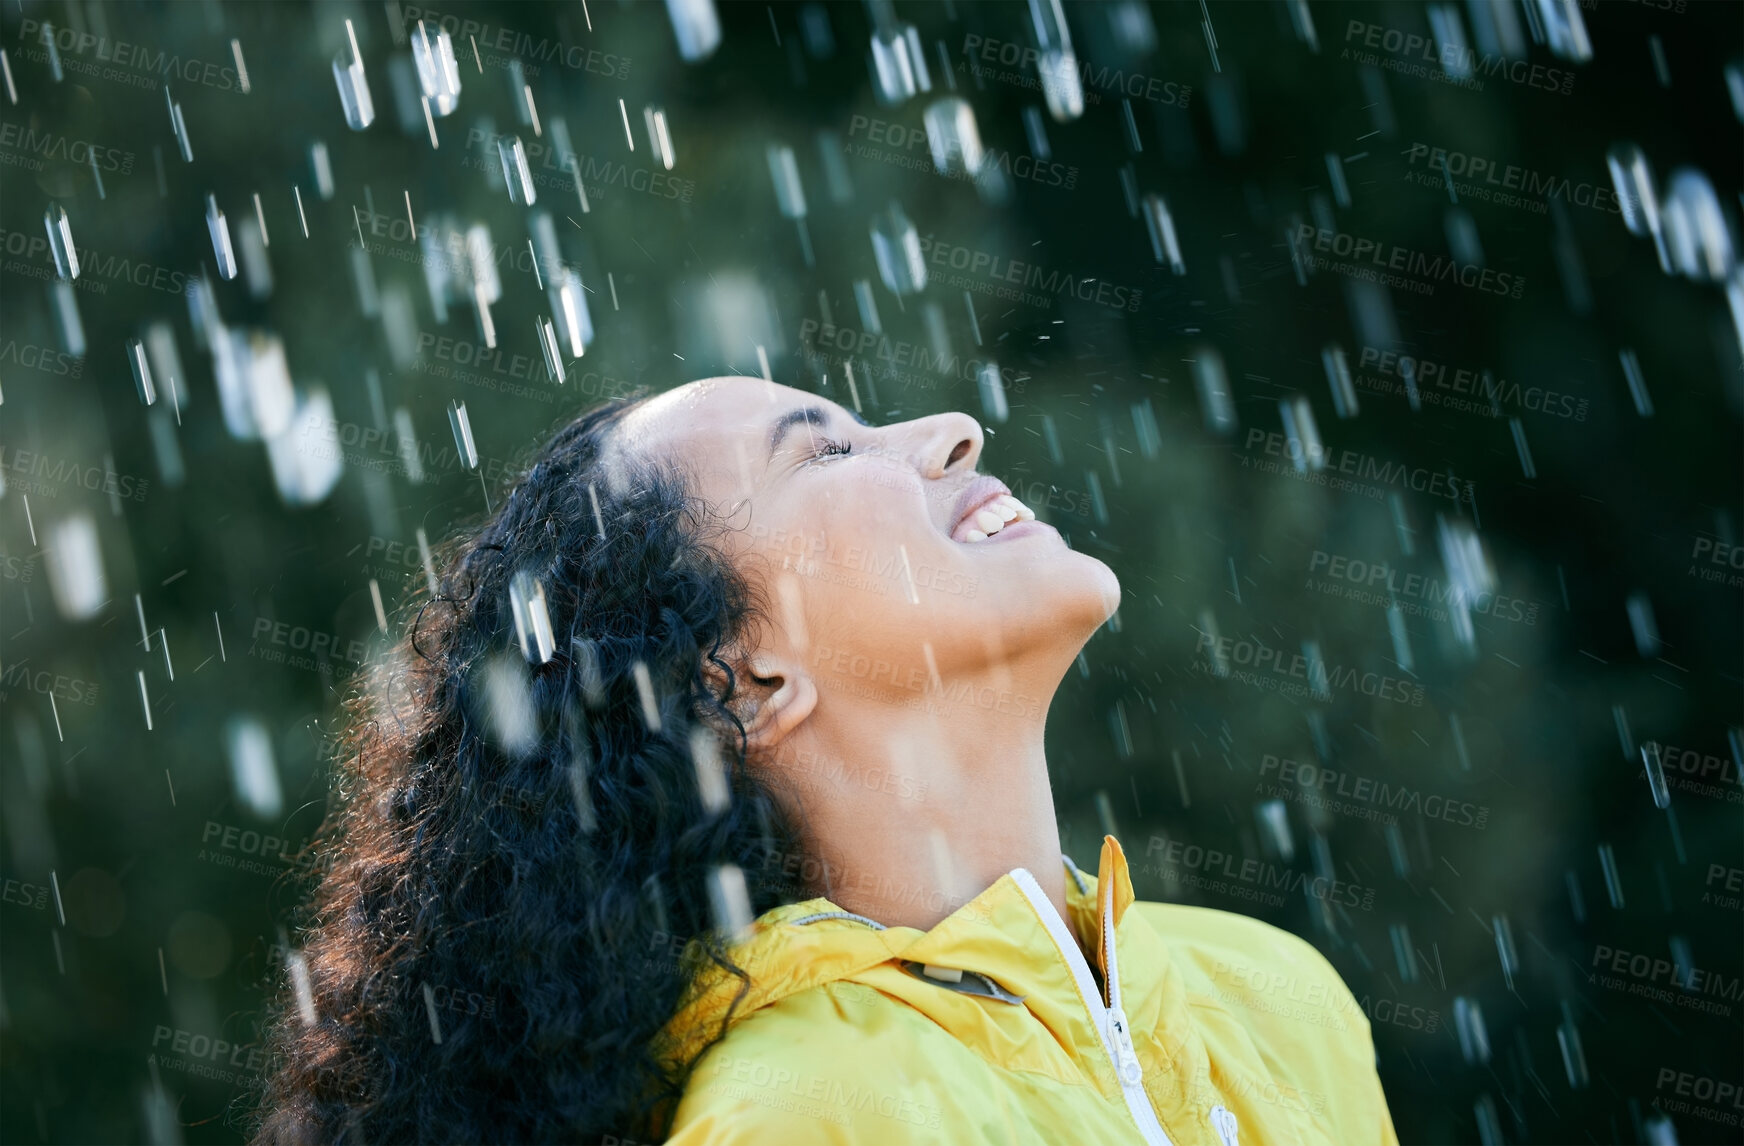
(888, 564)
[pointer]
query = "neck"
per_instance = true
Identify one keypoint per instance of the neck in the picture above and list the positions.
(909, 810)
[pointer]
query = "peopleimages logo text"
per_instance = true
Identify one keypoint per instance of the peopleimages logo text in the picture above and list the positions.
(1456, 58)
(1391, 257)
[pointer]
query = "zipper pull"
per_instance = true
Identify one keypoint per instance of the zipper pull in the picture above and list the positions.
(1126, 1062)
(1223, 1122)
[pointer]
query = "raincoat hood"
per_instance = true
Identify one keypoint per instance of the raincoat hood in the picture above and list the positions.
(1126, 1021)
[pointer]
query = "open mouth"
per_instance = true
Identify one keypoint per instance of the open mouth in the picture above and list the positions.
(985, 510)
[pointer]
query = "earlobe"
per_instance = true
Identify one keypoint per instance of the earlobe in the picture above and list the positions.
(791, 699)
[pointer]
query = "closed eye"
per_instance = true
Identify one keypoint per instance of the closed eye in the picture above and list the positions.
(830, 447)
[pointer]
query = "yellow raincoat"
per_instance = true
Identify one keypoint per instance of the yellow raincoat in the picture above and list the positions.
(1213, 1029)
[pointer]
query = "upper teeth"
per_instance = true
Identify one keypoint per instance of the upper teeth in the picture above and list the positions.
(991, 517)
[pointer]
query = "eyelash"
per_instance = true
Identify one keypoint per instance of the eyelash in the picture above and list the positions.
(832, 448)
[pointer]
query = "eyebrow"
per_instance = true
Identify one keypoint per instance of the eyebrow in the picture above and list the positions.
(809, 415)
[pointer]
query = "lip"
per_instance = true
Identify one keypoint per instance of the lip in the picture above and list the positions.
(975, 495)
(1017, 530)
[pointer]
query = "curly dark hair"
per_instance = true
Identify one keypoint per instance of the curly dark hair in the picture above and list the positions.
(519, 854)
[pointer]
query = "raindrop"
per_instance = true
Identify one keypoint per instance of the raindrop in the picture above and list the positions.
(60, 242)
(1305, 448)
(363, 278)
(253, 772)
(1210, 639)
(711, 775)
(1452, 51)
(1574, 1058)
(1212, 382)
(1057, 65)
(1462, 236)
(1396, 850)
(1469, 572)
(1484, 1109)
(305, 476)
(532, 620)
(587, 664)
(179, 126)
(547, 336)
(1474, 1037)
(1274, 823)
(75, 567)
(697, 27)
(1144, 421)
(569, 310)
(1098, 505)
(1655, 774)
(1564, 30)
(1051, 440)
(462, 427)
(54, 53)
(220, 232)
(1344, 400)
(141, 371)
(438, 71)
(730, 900)
(1318, 679)
(896, 246)
(408, 443)
(1577, 903)
(1160, 225)
(898, 62)
(645, 694)
(1401, 637)
(509, 716)
(1643, 625)
(992, 386)
(66, 310)
(254, 382)
(1518, 429)
(1696, 237)
(516, 174)
(1121, 731)
(1613, 880)
(322, 168)
(1403, 955)
(1633, 180)
(1637, 384)
(1505, 950)
(1035, 130)
(814, 26)
(953, 136)
(789, 193)
(1335, 172)
(353, 84)
(256, 268)
(1684, 958)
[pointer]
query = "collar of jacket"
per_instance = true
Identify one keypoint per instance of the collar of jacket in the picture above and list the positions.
(1004, 934)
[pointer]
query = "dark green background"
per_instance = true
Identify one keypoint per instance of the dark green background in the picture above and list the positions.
(1618, 504)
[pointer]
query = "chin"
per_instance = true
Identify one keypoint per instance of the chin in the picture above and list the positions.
(1081, 591)
(1107, 586)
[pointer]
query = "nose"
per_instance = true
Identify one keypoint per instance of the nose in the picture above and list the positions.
(943, 444)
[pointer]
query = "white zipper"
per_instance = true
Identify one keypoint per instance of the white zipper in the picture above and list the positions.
(1223, 1122)
(1109, 1021)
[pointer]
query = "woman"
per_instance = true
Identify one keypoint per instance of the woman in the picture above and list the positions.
(707, 799)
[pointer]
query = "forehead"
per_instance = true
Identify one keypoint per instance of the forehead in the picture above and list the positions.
(713, 410)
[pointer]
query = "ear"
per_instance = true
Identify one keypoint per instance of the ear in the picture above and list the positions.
(784, 695)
